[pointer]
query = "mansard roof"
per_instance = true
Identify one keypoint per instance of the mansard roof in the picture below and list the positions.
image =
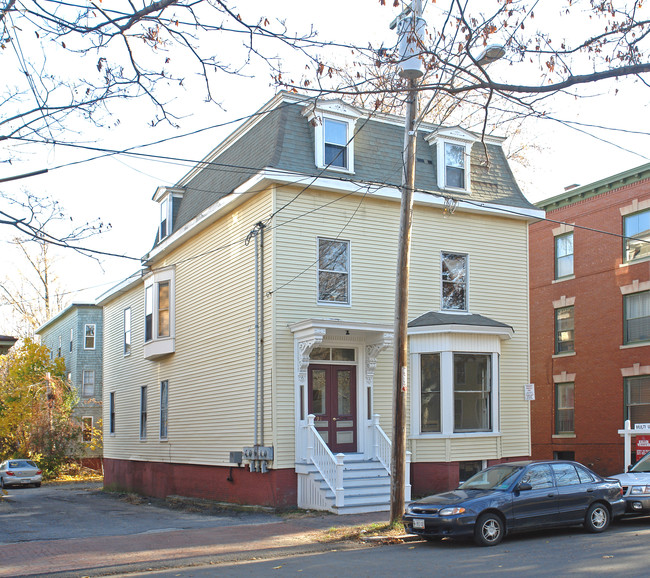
(281, 137)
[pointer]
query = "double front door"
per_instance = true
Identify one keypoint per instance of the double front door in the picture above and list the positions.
(333, 402)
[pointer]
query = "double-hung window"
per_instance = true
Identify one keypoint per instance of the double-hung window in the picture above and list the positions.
(454, 282)
(636, 229)
(564, 255)
(335, 141)
(71, 338)
(333, 271)
(564, 323)
(430, 392)
(111, 411)
(636, 308)
(60, 346)
(143, 412)
(454, 165)
(637, 399)
(127, 331)
(159, 326)
(89, 336)
(164, 406)
(88, 383)
(87, 429)
(164, 218)
(472, 392)
(564, 408)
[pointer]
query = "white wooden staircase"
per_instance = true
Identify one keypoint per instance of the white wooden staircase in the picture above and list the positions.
(350, 483)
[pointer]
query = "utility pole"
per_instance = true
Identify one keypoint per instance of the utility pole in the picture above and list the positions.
(409, 28)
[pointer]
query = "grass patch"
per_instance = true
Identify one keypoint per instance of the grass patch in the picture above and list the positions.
(375, 530)
(73, 472)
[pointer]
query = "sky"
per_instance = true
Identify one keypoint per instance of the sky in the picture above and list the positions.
(118, 190)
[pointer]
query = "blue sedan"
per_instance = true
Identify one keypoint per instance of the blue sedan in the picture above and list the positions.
(516, 497)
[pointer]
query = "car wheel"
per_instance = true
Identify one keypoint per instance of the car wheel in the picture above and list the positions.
(2, 483)
(37, 485)
(597, 518)
(489, 530)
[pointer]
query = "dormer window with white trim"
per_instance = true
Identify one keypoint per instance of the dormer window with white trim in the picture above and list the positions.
(453, 153)
(333, 123)
(167, 198)
(165, 217)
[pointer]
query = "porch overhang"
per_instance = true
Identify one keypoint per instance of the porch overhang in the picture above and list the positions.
(309, 333)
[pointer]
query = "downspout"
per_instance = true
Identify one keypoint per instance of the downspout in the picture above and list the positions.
(261, 338)
(257, 338)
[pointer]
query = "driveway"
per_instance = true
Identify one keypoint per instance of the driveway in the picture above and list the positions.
(83, 510)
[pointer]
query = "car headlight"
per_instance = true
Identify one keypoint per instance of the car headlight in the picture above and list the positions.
(637, 490)
(451, 511)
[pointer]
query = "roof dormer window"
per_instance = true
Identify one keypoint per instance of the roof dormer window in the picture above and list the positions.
(168, 199)
(453, 152)
(165, 217)
(333, 123)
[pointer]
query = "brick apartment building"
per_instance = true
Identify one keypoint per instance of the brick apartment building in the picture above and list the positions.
(590, 319)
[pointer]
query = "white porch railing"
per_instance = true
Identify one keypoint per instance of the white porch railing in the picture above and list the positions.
(329, 465)
(382, 450)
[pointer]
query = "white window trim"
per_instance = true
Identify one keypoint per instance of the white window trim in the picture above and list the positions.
(456, 136)
(112, 412)
(349, 273)
(94, 336)
(124, 332)
(159, 346)
(83, 381)
(447, 397)
(466, 255)
(334, 110)
(144, 411)
(165, 203)
(92, 425)
(160, 433)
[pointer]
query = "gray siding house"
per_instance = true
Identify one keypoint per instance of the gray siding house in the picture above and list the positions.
(76, 335)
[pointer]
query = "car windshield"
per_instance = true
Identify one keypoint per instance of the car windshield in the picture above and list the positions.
(494, 478)
(643, 465)
(22, 464)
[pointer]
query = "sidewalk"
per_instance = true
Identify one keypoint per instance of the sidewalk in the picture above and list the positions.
(164, 549)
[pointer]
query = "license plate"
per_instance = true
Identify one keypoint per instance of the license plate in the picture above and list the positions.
(418, 523)
(26, 480)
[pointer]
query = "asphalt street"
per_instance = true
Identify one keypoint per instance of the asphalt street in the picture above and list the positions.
(621, 551)
(70, 531)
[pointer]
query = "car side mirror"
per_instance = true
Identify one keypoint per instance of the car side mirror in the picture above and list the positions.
(629, 468)
(524, 487)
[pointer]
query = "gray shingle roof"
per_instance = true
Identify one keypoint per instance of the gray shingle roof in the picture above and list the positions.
(284, 139)
(433, 318)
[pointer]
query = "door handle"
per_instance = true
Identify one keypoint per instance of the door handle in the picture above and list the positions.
(590, 490)
(551, 495)
(334, 418)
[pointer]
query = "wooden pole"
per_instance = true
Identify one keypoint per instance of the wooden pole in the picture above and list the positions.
(398, 456)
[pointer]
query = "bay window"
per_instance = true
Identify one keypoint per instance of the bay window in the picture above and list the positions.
(159, 326)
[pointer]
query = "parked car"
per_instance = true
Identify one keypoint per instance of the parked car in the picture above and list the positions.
(636, 486)
(20, 473)
(515, 497)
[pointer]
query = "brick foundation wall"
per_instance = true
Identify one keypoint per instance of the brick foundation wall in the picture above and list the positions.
(276, 488)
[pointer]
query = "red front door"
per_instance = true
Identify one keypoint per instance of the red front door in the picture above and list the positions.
(333, 401)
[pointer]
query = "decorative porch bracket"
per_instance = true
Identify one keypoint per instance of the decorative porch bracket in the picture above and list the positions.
(304, 349)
